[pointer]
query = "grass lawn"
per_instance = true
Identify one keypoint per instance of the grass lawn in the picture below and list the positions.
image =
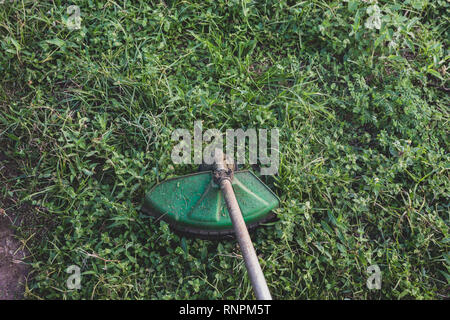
(358, 89)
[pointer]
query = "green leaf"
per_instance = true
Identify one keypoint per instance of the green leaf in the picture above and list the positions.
(15, 43)
(56, 42)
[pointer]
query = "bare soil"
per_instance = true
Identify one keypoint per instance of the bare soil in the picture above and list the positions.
(13, 271)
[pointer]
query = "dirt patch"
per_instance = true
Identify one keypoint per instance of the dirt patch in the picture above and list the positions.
(13, 271)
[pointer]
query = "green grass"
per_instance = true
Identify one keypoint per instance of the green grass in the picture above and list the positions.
(86, 118)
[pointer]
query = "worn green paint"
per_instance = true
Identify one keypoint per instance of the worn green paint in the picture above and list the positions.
(196, 201)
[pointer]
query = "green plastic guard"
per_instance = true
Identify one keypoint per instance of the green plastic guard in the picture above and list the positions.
(195, 204)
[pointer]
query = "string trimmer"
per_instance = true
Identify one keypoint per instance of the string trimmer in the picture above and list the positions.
(217, 203)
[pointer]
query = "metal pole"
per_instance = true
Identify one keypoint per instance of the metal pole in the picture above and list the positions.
(224, 176)
(245, 243)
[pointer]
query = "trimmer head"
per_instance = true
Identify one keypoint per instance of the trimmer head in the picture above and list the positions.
(194, 203)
